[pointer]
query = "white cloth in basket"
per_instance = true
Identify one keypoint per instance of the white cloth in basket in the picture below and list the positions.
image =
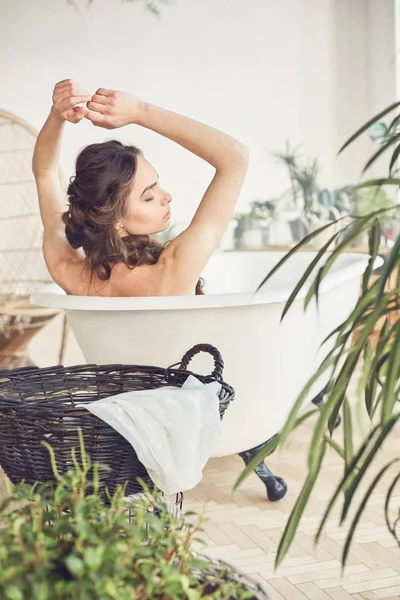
(173, 430)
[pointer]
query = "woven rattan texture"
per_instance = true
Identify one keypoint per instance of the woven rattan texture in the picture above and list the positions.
(40, 405)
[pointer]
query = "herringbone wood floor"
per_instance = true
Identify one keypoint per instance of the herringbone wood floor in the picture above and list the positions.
(245, 529)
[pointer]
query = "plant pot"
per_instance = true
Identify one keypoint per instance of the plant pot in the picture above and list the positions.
(223, 573)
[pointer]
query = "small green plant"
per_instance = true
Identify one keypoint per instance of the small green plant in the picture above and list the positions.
(306, 194)
(63, 542)
(259, 216)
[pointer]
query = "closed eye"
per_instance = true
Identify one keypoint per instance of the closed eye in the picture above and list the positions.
(149, 187)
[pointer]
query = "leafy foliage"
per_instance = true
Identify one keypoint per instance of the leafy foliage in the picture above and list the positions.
(63, 542)
(380, 379)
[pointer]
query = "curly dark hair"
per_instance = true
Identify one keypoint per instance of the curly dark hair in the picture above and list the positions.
(97, 198)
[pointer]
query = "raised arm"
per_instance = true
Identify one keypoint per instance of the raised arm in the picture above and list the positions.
(45, 167)
(186, 256)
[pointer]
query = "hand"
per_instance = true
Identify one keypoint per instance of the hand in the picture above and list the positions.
(66, 95)
(112, 109)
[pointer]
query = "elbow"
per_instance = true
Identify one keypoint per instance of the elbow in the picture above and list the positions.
(244, 151)
(240, 155)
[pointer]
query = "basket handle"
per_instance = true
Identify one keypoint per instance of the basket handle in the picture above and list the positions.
(218, 362)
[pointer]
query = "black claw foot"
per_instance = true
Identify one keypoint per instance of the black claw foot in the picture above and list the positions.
(319, 400)
(276, 486)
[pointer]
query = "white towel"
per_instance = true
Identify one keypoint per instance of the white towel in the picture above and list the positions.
(173, 430)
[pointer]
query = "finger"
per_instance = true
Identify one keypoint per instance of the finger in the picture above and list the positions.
(80, 112)
(74, 115)
(105, 92)
(99, 99)
(72, 101)
(73, 87)
(70, 90)
(100, 108)
(65, 83)
(96, 118)
(70, 115)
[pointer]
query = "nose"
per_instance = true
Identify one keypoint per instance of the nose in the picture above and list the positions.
(167, 198)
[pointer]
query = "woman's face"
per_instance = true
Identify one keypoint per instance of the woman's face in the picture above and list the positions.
(148, 204)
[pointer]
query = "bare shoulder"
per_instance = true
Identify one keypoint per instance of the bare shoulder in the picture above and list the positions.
(73, 276)
(150, 280)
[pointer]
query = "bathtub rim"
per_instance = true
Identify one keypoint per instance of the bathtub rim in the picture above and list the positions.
(52, 295)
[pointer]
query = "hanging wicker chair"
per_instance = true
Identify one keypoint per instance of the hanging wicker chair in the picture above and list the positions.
(22, 268)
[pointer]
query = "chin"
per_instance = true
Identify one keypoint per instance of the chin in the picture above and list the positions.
(161, 230)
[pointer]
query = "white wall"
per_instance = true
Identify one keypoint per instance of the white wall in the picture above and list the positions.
(266, 71)
(364, 72)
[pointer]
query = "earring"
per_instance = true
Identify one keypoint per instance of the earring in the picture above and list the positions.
(121, 226)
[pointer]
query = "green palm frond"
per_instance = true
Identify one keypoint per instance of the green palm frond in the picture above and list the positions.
(379, 384)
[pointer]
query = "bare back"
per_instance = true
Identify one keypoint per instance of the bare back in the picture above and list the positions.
(149, 280)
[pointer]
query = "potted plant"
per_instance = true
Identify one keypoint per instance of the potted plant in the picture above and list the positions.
(312, 206)
(380, 378)
(63, 542)
(251, 229)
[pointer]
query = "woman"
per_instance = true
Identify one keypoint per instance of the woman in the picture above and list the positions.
(101, 245)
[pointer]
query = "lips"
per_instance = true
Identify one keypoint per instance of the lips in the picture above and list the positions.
(167, 216)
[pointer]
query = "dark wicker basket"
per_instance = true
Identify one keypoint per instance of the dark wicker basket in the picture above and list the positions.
(40, 405)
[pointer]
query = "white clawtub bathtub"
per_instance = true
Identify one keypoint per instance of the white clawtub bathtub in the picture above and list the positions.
(267, 362)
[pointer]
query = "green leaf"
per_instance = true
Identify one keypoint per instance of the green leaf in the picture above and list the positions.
(291, 420)
(336, 396)
(353, 320)
(335, 446)
(384, 431)
(318, 436)
(306, 275)
(353, 231)
(367, 125)
(389, 394)
(14, 593)
(393, 124)
(267, 449)
(333, 416)
(388, 267)
(378, 182)
(381, 150)
(93, 556)
(301, 244)
(273, 443)
(364, 447)
(369, 378)
(297, 512)
(361, 508)
(387, 502)
(394, 158)
(374, 243)
(74, 565)
(347, 435)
